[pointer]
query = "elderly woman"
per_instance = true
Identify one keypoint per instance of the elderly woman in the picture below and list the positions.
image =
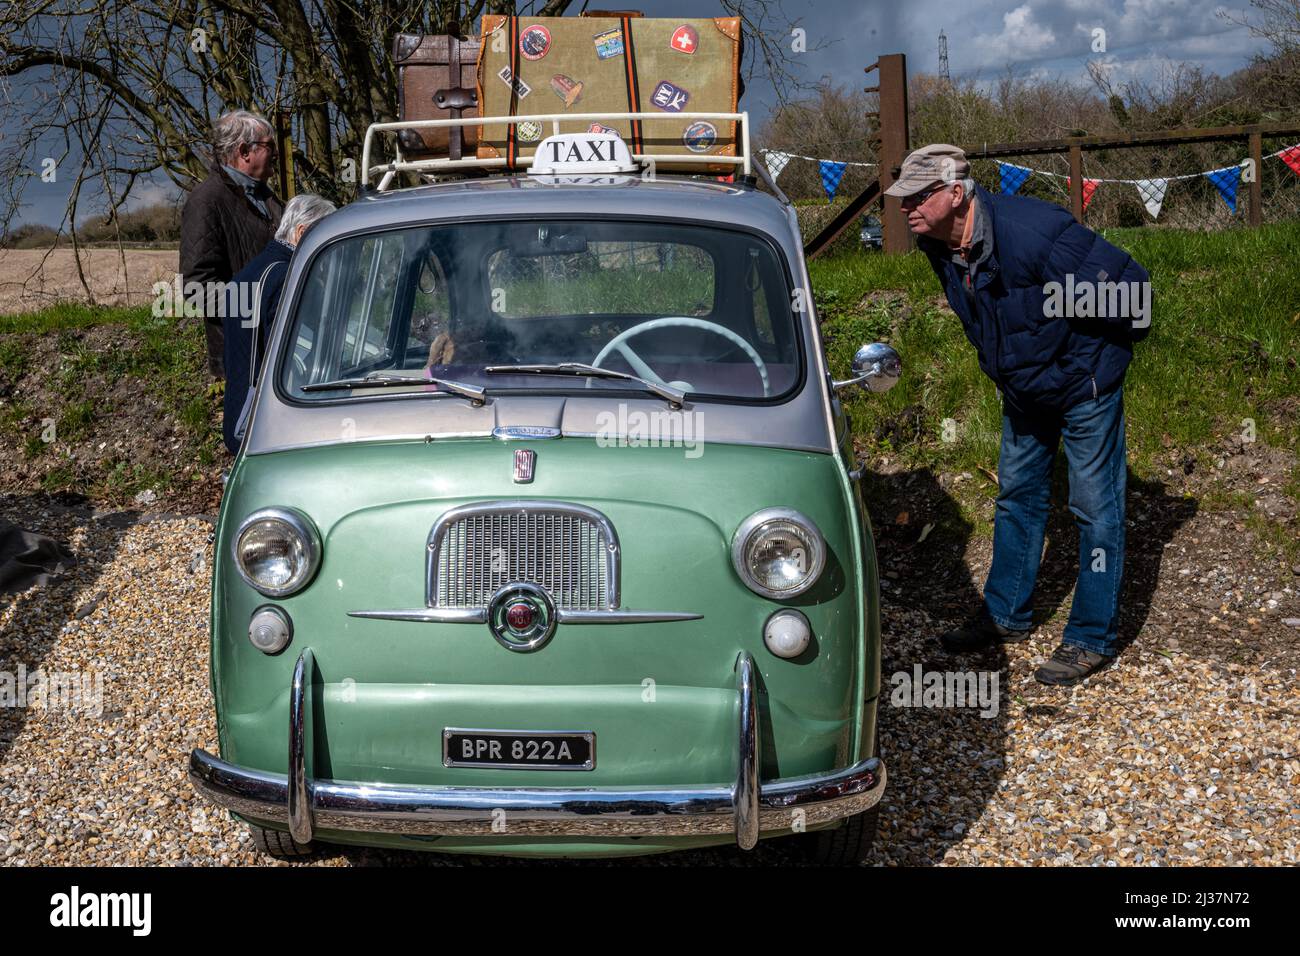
(246, 332)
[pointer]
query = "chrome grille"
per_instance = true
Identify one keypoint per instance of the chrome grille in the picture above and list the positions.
(569, 550)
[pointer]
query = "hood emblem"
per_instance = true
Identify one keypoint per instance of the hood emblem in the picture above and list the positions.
(525, 461)
(522, 616)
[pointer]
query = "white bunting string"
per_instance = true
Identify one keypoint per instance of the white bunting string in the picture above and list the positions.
(1151, 191)
(777, 160)
(812, 159)
(1166, 179)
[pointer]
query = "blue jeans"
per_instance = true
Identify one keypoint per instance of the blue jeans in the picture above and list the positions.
(1093, 433)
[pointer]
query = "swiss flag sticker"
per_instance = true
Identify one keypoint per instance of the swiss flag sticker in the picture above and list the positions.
(685, 39)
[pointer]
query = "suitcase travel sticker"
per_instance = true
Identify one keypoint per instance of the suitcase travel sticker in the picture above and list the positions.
(609, 44)
(661, 67)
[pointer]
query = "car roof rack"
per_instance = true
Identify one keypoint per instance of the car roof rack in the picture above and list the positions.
(400, 164)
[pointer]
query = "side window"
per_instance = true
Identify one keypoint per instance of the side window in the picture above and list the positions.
(370, 306)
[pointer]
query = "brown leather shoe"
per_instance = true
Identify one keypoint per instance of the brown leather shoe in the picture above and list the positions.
(1070, 664)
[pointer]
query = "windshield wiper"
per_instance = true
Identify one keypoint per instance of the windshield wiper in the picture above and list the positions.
(472, 392)
(673, 396)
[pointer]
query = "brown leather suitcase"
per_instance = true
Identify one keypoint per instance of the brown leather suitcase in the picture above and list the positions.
(616, 63)
(436, 79)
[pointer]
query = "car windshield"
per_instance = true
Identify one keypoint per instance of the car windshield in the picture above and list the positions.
(703, 310)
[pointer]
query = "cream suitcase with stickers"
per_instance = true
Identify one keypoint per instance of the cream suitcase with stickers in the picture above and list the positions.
(611, 64)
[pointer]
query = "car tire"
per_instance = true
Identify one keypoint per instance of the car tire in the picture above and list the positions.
(280, 845)
(848, 844)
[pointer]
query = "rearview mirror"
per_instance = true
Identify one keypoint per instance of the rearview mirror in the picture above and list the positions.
(876, 366)
(548, 241)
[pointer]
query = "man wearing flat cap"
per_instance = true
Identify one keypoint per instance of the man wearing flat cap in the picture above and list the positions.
(1052, 310)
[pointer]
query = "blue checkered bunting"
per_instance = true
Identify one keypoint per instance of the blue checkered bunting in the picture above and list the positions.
(832, 173)
(1013, 177)
(1226, 181)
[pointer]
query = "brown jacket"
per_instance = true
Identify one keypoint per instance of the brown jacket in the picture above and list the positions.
(220, 232)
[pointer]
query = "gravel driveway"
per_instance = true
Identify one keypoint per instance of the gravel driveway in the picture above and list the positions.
(1184, 752)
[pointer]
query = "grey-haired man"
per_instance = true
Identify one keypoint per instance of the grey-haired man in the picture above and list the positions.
(1003, 262)
(230, 216)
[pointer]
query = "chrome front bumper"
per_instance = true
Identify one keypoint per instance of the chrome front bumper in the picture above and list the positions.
(743, 807)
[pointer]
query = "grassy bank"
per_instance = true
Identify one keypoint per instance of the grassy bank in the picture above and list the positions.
(1219, 368)
(107, 403)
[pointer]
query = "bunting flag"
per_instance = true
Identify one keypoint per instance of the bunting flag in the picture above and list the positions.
(1226, 181)
(1291, 156)
(1152, 192)
(1013, 177)
(1089, 187)
(832, 173)
(776, 161)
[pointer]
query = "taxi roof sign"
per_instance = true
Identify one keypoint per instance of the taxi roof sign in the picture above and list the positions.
(572, 153)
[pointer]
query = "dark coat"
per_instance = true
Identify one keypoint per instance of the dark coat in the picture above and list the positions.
(1041, 363)
(220, 232)
(240, 333)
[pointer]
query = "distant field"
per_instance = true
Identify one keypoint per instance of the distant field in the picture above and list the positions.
(32, 279)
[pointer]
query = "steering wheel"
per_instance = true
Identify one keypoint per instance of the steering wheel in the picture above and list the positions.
(619, 344)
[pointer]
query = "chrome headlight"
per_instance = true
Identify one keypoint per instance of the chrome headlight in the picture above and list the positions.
(778, 553)
(277, 551)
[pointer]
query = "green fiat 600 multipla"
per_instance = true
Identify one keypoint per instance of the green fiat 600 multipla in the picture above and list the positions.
(546, 538)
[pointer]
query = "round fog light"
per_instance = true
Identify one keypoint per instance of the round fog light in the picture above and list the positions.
(270, 629)
(787, 633)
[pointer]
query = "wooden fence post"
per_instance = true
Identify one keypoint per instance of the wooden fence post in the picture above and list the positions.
(895, 143)
(1076, 182)
(1256, 189)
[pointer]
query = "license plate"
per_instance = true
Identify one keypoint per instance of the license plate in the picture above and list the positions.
(519, 749)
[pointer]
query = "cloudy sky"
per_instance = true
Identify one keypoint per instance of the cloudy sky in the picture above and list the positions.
(1052, 38)
(1049, 38)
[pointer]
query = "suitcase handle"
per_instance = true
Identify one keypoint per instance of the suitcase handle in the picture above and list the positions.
(611, 13)
(455, 101)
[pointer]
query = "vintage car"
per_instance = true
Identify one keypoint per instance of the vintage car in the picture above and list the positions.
(545, 538)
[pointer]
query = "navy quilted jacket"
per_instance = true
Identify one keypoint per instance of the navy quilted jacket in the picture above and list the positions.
(1040, 362)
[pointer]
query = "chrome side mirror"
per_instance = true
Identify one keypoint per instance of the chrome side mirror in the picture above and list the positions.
(877, 366)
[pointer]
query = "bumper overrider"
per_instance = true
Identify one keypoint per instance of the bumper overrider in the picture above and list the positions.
(743, 807)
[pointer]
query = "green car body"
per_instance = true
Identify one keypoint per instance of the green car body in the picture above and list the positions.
(372, 677)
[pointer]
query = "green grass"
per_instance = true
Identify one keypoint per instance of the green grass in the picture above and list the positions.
(1224, 350)
(76, 421)
(1223, 346)
(67, 316)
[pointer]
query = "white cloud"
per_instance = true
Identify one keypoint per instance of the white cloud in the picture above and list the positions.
(985, 36)
(1022, 36)
(149, 194)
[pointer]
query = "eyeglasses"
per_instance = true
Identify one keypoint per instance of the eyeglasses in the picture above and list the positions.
(917, 198)
(266, 144)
